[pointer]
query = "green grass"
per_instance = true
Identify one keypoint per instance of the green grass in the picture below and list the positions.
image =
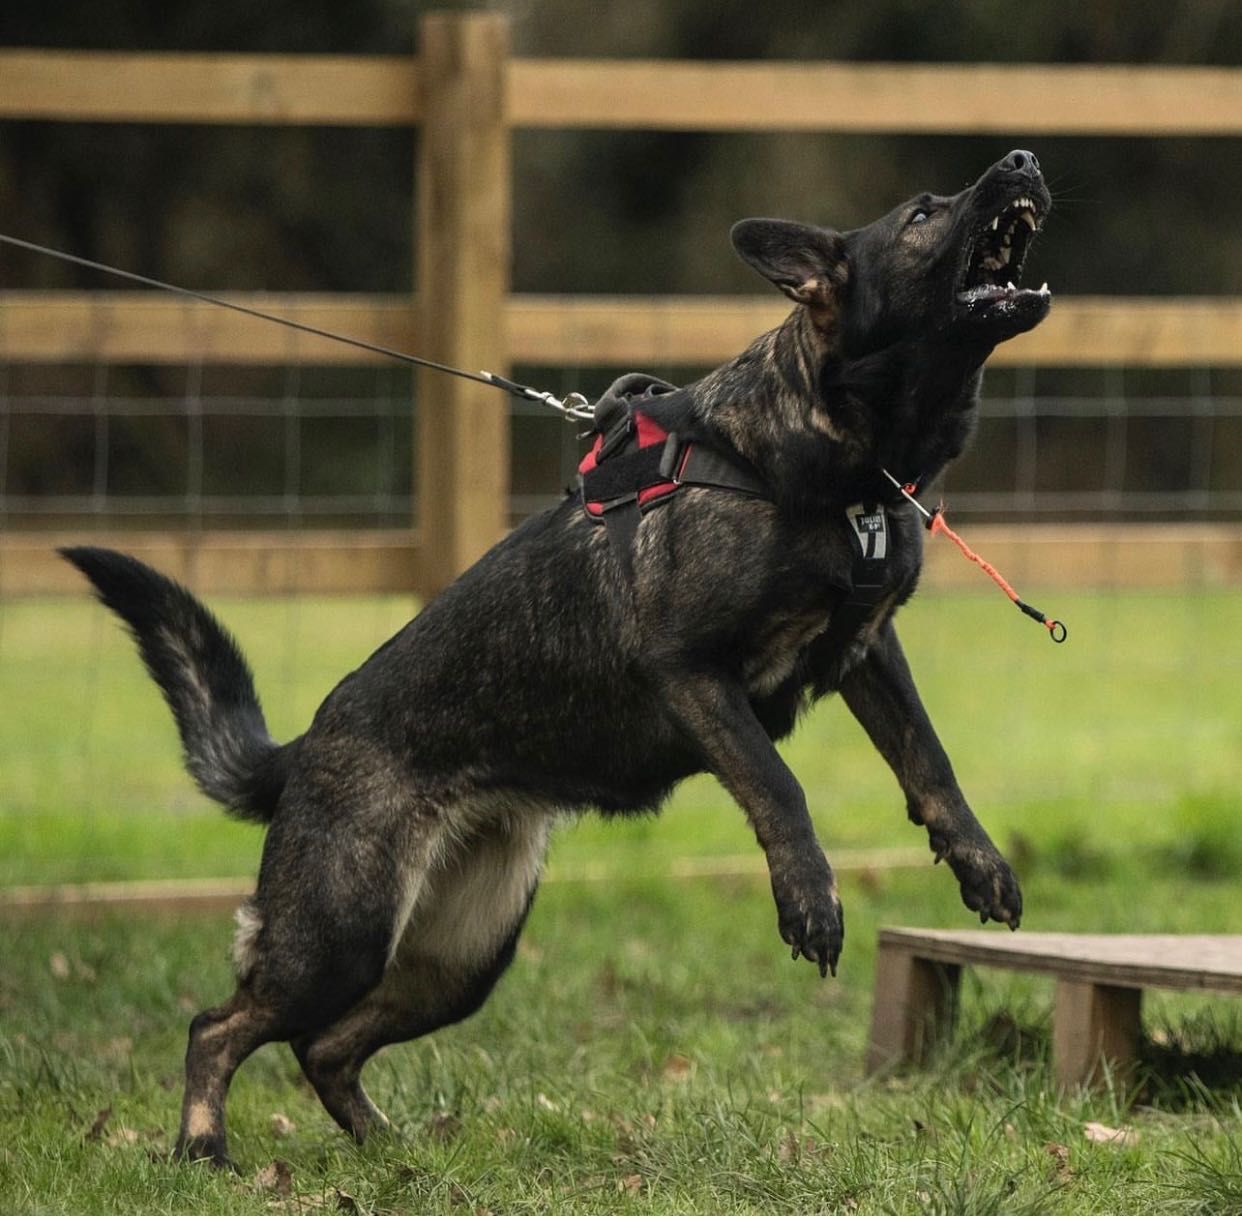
(653, 1049)
(1126, 735)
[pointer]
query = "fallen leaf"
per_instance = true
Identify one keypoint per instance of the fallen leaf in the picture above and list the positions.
(119, 1046)
(545, 1103)
(123, 1136)
(282, 1127)
(347, 1203)
(1062, 1173)
(444, 1126)
(84, 972)
(631, 1184)
(792, 1149)
(870, 881)
(95, 1133)
(677, 1068)
(58, 965)
(276, 1178)
(1095, 1131)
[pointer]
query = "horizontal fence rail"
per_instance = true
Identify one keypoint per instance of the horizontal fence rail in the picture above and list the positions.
(385, 91)
(1042, 557)
(467, 95)
(575, 330)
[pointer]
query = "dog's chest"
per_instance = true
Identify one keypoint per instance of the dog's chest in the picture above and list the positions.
(777, 647)
(824, 596)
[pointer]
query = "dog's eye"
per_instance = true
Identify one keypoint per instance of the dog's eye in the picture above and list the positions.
(919, 216)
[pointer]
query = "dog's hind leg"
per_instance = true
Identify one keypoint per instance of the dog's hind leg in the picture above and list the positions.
(309, 947)
(415, 999)
(220, 1040)
(461, 936)
(278, 999)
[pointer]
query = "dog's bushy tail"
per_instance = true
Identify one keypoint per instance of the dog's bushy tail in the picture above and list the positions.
(203, 676)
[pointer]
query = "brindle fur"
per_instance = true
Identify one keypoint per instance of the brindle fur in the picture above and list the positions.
(408, 824)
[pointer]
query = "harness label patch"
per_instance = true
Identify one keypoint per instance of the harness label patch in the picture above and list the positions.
(870, 525)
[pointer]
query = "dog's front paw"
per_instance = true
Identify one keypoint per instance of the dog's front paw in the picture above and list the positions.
(807, 908)
(989, 886)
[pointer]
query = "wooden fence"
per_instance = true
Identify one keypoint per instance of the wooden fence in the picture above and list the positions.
(467, 96)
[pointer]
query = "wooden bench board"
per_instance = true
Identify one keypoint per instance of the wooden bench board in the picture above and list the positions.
(1099, 984)
(1137, 961)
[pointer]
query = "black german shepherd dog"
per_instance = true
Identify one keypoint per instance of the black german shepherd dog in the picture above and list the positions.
(408, 825)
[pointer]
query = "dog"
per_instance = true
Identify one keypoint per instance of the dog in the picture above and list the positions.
(578, 666)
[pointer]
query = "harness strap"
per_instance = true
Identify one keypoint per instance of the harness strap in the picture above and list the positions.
(870, 538)
(716, 470)
(636, 464)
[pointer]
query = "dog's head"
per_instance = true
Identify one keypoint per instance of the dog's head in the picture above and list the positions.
(935, 266)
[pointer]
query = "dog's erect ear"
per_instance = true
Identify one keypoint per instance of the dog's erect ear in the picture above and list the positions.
(806, 263)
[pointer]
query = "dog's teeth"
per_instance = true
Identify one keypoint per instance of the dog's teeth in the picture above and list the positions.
(1013, 288)
(1004, 255)
(995, 222)
(1029, 218)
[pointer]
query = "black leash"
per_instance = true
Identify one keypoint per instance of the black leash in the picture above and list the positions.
(573, 407)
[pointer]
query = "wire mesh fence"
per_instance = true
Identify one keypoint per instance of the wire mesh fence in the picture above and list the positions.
(1136, 722)
(313, 446)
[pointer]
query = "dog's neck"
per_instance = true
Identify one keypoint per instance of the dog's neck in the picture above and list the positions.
(819, 425)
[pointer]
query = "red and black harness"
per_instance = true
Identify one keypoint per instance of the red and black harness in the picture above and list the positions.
(636, 465)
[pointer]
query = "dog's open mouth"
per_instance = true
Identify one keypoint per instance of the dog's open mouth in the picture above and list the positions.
(993, 269)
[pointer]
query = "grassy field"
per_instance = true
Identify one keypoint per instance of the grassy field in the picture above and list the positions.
(653, 1049)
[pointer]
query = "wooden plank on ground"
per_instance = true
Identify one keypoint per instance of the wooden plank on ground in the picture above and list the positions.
(171, 896)
(1096, 1031)
(915, 1003)
(1139, 961)
(224, 895)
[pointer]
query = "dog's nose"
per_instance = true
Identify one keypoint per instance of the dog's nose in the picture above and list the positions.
(1021, 159)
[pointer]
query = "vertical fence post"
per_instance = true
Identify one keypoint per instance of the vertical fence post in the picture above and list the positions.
(462, 248)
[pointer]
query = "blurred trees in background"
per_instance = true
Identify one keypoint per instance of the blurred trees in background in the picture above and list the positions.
(329, 209)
